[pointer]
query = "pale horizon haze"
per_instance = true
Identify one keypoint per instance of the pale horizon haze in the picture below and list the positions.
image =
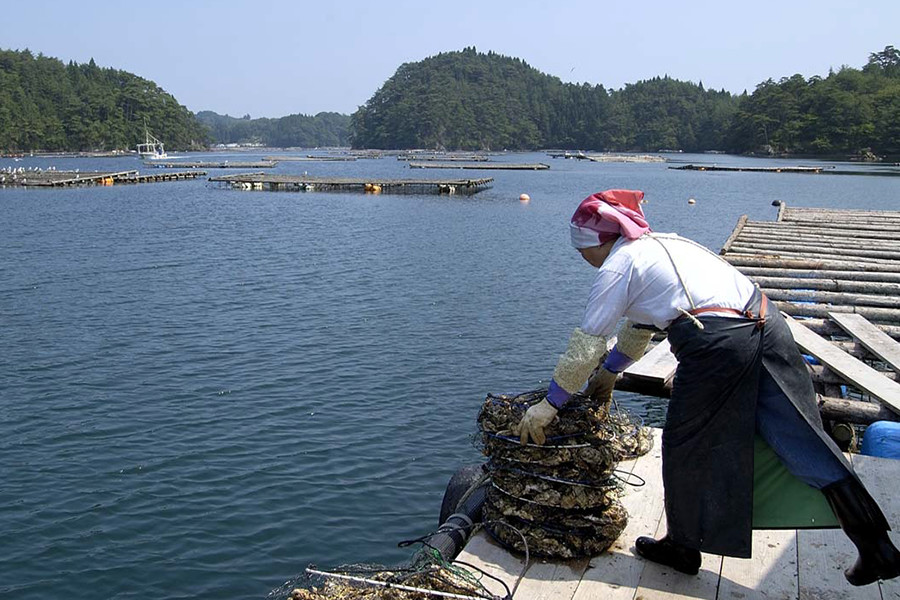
(271, 59)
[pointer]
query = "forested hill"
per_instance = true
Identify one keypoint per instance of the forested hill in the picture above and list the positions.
(471, 100)
(323, 129)
(48, 105)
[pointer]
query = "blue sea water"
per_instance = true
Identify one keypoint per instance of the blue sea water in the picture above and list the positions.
(204, 390)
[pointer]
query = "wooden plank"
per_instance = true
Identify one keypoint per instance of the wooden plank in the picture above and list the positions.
(870, 337)
(657, 581)
(615, 574)
(880, 476)
(483, 553)
(551, 580)
(857, 372)
(772, 572)
(823, 555)
(657, 366)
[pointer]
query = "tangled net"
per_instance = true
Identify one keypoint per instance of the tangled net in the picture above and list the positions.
(561, 496)
(367, 582)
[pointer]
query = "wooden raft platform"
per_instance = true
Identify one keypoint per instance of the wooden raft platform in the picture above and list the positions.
(813, 262)
(787, 564)
(478, 165)
(838, 273)
(78, 178)
(310, 158)
(265, 164)
(812, 170)
(446, 157)
(292, 183)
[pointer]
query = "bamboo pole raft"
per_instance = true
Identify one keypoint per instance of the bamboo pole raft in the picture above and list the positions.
(293, 183)
(467, 165)
(53, 178)
(264, 164)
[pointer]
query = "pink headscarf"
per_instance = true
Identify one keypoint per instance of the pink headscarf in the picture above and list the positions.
(606, 215)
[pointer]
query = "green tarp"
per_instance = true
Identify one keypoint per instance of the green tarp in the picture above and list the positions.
(780, 500)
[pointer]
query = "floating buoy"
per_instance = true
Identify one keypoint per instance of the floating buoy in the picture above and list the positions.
(524, 198)
(691, 201)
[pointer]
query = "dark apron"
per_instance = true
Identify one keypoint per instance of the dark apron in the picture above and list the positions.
(708, 438)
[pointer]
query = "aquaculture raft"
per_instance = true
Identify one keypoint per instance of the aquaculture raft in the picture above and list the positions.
(293, 183)
(265, 164)
(497, 166)
(79, 178)
(812, 170)
(813, 262)
(786, 563)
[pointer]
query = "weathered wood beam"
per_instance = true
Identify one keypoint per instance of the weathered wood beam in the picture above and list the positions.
(804, 274)
(785, 252)
(854, 411)
(854, 301)
(870, 337)
(771, 261)
(854, 371)
(873, 313)
(829, 285)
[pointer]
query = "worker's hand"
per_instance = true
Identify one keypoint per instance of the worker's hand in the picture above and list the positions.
(601, 386)
(533, 423)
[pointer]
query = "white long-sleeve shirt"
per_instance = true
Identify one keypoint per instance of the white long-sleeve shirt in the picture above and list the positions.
(638, 281)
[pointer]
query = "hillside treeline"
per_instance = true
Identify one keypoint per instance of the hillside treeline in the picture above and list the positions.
(476, 101)
(323, 129)
(470, 101)
(48, 105)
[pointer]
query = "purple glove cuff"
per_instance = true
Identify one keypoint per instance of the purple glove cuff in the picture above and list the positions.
(617, 362)
(556, 395)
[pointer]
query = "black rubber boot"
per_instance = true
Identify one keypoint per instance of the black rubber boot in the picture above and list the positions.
(666, 552)
(865, 525)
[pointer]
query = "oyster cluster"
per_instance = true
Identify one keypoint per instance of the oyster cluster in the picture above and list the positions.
(561, 499)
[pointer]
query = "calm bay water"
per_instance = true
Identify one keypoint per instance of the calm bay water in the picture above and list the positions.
(203, 390)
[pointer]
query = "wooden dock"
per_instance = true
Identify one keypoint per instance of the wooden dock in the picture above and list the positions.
(787, 564)
(292, 183)
(478, 165)
(53, 178)
(264, 164)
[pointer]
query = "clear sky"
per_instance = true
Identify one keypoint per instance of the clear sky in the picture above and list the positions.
(270, 58)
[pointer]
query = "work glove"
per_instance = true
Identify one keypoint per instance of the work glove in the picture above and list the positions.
(532, 425)
(600, 388)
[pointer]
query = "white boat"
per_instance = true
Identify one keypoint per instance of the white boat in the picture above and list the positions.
(152, 148)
